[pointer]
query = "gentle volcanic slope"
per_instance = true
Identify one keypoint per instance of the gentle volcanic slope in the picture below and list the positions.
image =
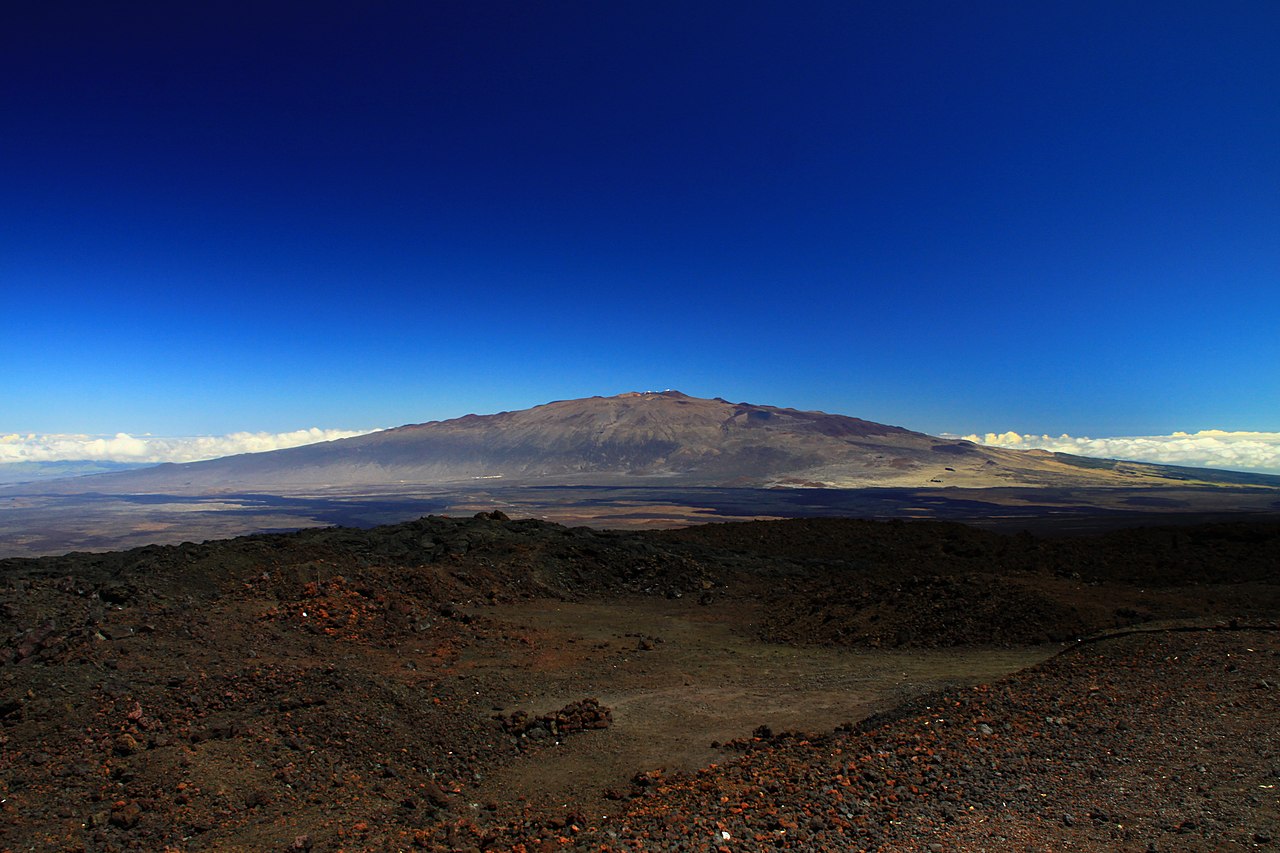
(635, 438)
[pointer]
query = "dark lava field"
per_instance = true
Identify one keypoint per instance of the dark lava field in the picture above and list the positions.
(491, 684)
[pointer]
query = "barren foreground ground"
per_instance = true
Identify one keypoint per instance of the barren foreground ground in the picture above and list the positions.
(496, 685)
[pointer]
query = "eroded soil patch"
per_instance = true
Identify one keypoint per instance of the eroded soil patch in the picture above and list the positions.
(680, 676)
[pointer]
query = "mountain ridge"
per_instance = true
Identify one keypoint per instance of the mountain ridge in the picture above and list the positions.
(643, 437)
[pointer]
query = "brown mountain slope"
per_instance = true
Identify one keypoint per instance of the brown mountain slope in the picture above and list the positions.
(638, 438)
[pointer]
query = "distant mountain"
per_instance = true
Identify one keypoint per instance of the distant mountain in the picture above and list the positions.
(648, 438)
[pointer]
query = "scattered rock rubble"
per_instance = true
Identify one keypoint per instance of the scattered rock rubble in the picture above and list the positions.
(584, 715)
(333, 690)
(1151, 742)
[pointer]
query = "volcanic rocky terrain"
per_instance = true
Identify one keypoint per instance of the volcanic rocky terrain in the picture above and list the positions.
(494, 684)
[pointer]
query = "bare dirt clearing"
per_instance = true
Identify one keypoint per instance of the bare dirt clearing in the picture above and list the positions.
(680, 676)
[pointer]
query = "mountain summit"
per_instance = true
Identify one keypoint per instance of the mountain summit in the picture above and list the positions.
(637, 438)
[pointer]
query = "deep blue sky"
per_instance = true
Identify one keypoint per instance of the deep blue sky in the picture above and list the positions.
(1058, 217)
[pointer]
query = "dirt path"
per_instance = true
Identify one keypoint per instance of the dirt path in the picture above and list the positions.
(705, 679)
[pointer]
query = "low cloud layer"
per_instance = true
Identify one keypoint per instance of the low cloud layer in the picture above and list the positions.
(1210, 448)
(123, 447)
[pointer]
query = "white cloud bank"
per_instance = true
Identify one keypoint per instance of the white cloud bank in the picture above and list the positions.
(1209, 448)
(123, 447)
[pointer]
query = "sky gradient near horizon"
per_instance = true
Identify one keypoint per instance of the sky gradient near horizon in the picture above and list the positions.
(999, 217)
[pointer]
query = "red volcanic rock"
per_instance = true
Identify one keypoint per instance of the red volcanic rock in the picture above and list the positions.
(335, 690)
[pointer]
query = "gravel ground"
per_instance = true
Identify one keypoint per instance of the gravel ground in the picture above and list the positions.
(343, 690)
(1153, 741)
